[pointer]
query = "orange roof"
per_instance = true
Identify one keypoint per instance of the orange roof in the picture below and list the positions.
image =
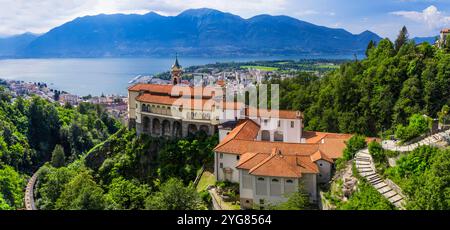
(445, 30)
(165, 89)
(245, 130)
(239, 147)
(316, 137)
(174, 90)
(277, 164)
(280, 159)
(265, 113)
(319, 155)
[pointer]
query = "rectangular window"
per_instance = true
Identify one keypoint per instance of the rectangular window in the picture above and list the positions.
(221, 165)
(261, 187)
(246, 180)
(265, 121)
(221, 156)
(292, 124)
(275, 187)
(238, 157)
(279, 123)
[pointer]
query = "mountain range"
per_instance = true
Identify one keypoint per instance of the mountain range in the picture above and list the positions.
(195, 32)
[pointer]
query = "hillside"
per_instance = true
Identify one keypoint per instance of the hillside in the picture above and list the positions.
(11, 46)
(197, 32)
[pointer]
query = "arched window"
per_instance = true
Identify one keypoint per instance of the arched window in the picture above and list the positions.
(278, 136)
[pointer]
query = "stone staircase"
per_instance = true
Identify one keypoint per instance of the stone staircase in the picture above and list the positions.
(366, 168)
(430, 140)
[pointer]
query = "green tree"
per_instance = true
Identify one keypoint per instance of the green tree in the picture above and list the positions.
(353, 145)
(173, 195)
(370, 46)
(58, 157)
(366, 198)
(81, 193)
(444, 114)
(376, 150)
(125, 194)
(402, 38)
(11, 187)
(51, 184)
(296, 201)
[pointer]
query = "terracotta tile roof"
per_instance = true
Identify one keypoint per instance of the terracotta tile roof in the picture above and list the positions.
(265, 113)
(445, 30)
(316, 137)
(277, 164)
(245, 130)
(319, 155)
(249, 160)
(238, 147)
(165, 89)
(332, 147)
(205, 104)
(174, 90)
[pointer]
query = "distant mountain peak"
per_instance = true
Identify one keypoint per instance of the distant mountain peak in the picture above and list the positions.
(194, 32)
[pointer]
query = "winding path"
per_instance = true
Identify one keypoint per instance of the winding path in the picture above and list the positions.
(366, 168)
(391, 145)
(29, 193)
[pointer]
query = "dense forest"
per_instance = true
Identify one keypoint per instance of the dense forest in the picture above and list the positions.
(129, 172)
(375, 94)
(31, 129)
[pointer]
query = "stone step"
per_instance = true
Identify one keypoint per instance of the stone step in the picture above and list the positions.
(374, 179)
(371, 177)
(364, 174)
(389, 193)
(372, 174)
(363, 160)
(363, 163)
(376, 182)
(393, 195)
(396, 199)
(385, 190)
(364, 166)
(380, 186)
(366, 170)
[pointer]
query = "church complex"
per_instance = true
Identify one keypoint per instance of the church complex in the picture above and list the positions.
(266, 152)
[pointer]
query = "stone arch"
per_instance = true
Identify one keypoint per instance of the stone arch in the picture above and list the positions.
(192, 129)
(156, 127)
(265, 135)
(166, 128)
(278, 136)
(176, 129)
(146, 124)
(204, 128)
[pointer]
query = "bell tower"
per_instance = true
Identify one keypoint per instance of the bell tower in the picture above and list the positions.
(176, 72)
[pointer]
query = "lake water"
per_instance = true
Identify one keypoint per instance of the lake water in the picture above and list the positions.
(95, 76)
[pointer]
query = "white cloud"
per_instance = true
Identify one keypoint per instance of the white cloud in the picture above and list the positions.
(18, 16)
(430, 16)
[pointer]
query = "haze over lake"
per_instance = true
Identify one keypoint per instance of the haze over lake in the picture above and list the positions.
(96, 76)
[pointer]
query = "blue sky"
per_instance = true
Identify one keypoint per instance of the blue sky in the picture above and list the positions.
(384, 17)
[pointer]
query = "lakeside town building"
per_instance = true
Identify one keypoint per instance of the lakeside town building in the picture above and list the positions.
(266, 151)
(443, 37)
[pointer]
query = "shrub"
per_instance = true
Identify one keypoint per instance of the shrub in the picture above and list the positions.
(355, 144)
(377, 152)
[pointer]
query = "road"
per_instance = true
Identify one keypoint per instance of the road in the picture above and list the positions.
(29, 193)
